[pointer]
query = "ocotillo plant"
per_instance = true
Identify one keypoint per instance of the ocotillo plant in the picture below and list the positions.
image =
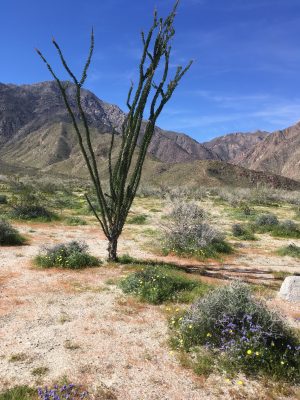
(125, 173)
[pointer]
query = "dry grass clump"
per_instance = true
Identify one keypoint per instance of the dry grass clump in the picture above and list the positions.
(188, 233)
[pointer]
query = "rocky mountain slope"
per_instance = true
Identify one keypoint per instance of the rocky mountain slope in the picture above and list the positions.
(228, 147)
(278, 153)
(35, 132)
(36, 108)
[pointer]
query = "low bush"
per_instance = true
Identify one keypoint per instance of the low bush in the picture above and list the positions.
(269, 223)
(137, 219)
(241, 334)
(74, 221)
(287, 229)
(187, 233)
(291, 250)
(9, 236)
(266, 221)
(159, 284)
(19, 393)
(72, 255)
(242, 232)
(32, 212)
(3, 199)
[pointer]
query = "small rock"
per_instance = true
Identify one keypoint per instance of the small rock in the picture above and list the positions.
(290, 289)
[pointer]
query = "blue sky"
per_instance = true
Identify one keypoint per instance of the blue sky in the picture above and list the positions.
(246, 73)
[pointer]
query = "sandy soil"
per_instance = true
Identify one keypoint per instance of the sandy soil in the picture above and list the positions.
(76, 324)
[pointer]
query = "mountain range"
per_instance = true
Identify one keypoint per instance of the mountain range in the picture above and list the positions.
(36, 132)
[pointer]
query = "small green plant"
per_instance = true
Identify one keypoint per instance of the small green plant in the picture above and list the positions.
(158, 284)
(137, 219)
(74, 221)
(9, 236)
(3, 199)
(291, 250)
(71, 255)
(19, 357)
(40, 371)
(241, 334)
(69, 345)
(242, 232)
(287, 229)
(280, 274)
(19, 393)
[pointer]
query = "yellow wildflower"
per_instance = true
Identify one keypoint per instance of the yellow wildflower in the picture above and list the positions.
(249, 352)
(208, 335)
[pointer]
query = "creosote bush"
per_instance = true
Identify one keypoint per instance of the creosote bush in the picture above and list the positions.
(269, 223)
(266, 220)
(241, 334)
(9, 236)
(159, 284)
(291, 250)
(242, 232)
(72, 255)
(187, 233)
(29, 212)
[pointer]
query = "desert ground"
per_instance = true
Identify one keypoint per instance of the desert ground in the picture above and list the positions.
(77, 325)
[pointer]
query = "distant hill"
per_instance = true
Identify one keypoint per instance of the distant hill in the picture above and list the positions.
(36, 136)
(233, 145)
(278, 153)
(26, 109)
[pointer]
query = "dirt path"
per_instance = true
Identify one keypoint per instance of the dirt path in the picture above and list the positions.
(56, 324)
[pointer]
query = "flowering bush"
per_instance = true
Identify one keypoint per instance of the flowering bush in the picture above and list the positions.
(70, 255)
(241, 332)
(157, 284)
(65, 392)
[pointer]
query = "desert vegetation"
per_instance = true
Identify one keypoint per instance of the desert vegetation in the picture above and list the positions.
(239, 333)
(72, 255)
(209, 326)
(9, 236)
(186, 305)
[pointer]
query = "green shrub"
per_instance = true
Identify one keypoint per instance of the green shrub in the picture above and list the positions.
(74, 221)
(72, 255)
(3, 199)
(32, 212)
(9, 236)
(137, 219)
(291, 250)
(158, 284)
(240, 332)
(242, 232)
(287, 229)
(266, 221)
(19, 393)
